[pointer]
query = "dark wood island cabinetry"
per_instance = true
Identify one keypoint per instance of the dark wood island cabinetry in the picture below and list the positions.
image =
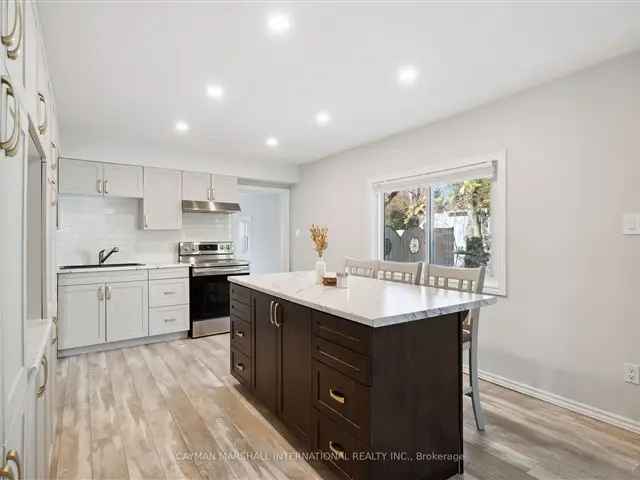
(376, 402)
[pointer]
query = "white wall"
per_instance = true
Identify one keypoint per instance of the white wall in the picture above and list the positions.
(100, 149)
(92, 223)
(573, 148)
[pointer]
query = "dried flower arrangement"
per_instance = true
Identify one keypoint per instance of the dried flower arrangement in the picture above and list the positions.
(319, 235)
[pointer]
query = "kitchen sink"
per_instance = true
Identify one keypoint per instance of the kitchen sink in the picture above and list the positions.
(104, 265)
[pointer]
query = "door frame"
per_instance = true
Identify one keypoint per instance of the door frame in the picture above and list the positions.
(285, 213)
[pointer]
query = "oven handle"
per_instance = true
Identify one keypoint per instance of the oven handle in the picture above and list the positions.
(201, 272)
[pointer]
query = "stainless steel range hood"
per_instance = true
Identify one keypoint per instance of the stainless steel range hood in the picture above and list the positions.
(203, 206)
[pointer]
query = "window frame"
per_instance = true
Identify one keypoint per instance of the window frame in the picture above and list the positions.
(495, 285)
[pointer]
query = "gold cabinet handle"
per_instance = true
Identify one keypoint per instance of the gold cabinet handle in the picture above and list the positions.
(337, 395)
(43, 127)
(10, 145)
(240, 367)
(337, 450)
(239, 334)
(45, 364)
(12, 456)
(10, 38)
(14, 52)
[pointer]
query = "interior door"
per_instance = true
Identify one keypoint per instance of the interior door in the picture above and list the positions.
(195, 186)
(295, 354)
(127, 310)
(123, 181)
(266, 352)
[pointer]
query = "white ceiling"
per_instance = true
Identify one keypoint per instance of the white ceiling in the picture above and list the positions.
(127, 72)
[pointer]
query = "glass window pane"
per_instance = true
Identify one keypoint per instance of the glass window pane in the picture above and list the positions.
(461, 224)
(405, 215)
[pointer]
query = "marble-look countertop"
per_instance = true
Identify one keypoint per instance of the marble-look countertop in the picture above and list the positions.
(147, 266)
(375, 303)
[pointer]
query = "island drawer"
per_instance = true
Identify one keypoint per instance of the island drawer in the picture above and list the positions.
(340, 448)
(241, 335)
(351, 335)
(240, 294)
(341, 397)
(241, 367)
(342, 359)
(240, 310)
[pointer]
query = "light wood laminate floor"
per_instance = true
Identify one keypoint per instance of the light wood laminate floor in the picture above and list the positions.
(171, 410)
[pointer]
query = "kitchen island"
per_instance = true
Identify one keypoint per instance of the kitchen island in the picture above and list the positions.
(369, 377)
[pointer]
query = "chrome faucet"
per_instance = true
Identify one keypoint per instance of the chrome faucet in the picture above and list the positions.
(103, 258)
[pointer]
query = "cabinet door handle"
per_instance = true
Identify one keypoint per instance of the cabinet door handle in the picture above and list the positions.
(146, 221)
(336, 395)
(100, 293)
(45, 364)
(43, 127)
(240, 367)
(108, 292)
(11, 143)
(275, 315)
(13, 53)
(209, 194)
(337, 450)
(12, 456)
(99, 186)
(106, 186)
(10, 38)
(271, 303)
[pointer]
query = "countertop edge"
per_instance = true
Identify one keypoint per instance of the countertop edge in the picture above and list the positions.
(370, 322)
(150, 266)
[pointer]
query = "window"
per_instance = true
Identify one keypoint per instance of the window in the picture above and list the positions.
(452, 216)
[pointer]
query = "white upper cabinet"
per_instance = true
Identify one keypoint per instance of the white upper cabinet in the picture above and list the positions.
(225, 189)
(196, 186)
(93, 178)
(162, 199)
(123, 181)
(80, 177)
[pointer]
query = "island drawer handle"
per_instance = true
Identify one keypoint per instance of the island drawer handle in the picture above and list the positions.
(337, 395)
(337, 450)
(169, 319)
(239, 334)
(240, 367)
(271, 304)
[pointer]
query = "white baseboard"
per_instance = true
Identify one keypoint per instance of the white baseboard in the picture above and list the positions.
(105, 347)
(581, 408)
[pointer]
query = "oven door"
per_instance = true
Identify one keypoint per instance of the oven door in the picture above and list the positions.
(209, 300)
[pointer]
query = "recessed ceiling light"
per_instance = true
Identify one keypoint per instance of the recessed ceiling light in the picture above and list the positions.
(272, 142)
(279, 23)
(215, 91)
(323, 118)
(182, 126)
(407, 75)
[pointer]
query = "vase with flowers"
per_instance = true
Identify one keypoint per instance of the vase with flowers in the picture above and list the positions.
(319, 236)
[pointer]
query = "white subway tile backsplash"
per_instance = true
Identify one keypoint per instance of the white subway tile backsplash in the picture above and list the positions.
(92, 223)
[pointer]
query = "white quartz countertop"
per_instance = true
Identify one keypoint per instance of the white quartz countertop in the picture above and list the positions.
(375, 303)
(147, 266)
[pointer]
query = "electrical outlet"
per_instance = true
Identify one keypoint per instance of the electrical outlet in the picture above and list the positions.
(632, 373)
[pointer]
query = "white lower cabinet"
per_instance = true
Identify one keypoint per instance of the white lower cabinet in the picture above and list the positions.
(127, 308)
(171, 319)
(81, 315)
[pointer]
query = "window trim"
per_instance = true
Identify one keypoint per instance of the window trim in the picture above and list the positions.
(496, 285)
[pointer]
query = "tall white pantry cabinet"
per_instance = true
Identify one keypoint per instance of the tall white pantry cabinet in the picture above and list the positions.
(27, 345)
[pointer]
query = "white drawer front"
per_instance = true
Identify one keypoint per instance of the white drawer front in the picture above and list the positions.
(163, 293)
(168, 319)
(160, 273)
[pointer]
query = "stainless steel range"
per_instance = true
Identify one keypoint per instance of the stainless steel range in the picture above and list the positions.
(212, 263)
